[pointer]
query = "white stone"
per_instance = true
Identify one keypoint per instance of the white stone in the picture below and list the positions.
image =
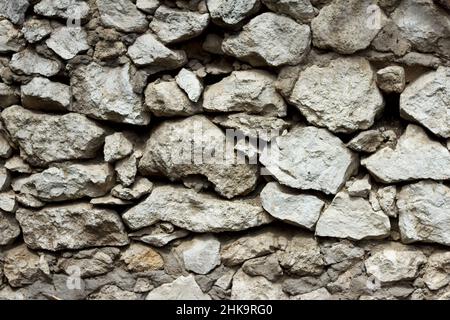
(67, 42)
(29, 62)
(202, 254)
(43, 94)
(117, 146)
(190, 83)
(183, 288)
(255, 288)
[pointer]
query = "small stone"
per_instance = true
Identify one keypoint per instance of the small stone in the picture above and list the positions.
(341, 106)
(112, 292)
(126, 170)
(29, 62)
(14, 10)
(17, 164)
(347, 26)
(117, 146)
(34, 30)
(8, 202)
(142, 258)
(231, 13)
(270, 39)
(300, 10)
(310, 158)
(74, 226)
(142, 186)
(387, 200)
(319, 294)
(391, 264)
(63, 9)
(415, 157)
(43, 94)
(5, 179)
(255, 288)
(9, 228)
(8, 96)
(195, 212)
(267, 266)
(174, 25)
(109, 200)
(352, 218)
(436, 273)
(190, 83)
(166, 99)
(5, 148)
(10, 38)
(425, 101)
(337, 252)
(45, 138)
(107, 50)
(121, 15)
(391, 79)
(148, 51)
(183, 288)
(251, 91)
(157, 235)
(202, 254)
(148, 6)
(67, 42)
(290, 206)
(391, 39)
(366, 141)
(360, 187)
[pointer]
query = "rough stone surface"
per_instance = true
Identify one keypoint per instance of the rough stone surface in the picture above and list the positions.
(141, 258)
(8, 96)
(67, 42)
(117, 146)
(64, 9)
(300, 10)
(202, 255)
(391, 79)
(14, 10)
(122, 15)
(231, 13)
(190, 83)
(255, 288)
(183, 288)
(9, 228)
(43, 94)
(30, 63)
(34, 30)
(10, 38)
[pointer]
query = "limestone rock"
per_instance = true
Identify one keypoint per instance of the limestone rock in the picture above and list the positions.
(251, 91)
(336, 252)
(141, 187)
(347, 26)
(267, 266)
(112, 292)
(5, 148)
(122, 15)
(436, 273)
(34, 30)
(352, 218)
(74, 226)
(17, 164)
(117, 146)
(391, 264)
(387, 200)
(67, 42)
(142, 258)
(158, 235)
(270, 39)
(8, 96)
(190, 83)
(70, 182)
(148, 6)
(10, 38)
(148, 51)
(326, 100)
(106, 93)
(391, 79)
(359, 187)
(391, 39)
(126, 170)
(8, 202)
(255, 288)
(319, 294)
(426, 101)
(9, 228)
(195, 146)
(43, 94)
(165, 98)
(202, 254)
(195, 212)
(366, 141)
(174, 25)
(64, 9)
(29, 62)
(415, 157)
(183, 288)
(424, 213)
(300, 10)
(14, 10)
(47, 138)
(231, 13)
(5, 179)
(290, 206)
(310, 158)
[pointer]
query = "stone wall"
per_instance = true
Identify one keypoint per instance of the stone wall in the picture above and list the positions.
(121, 176)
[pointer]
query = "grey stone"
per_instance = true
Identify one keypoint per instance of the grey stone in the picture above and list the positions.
(121, 15)
(436, 272)
(366, 141)
(202, 254)
(140, 187)
(387, 200)
(112, 292)
(8, 96)
(267, 266)
(5, 179)
(391, 79)
(255, 288)
(64, 9)
(8, 202)
(157, 235)
(117, 146)
(183, 288)
(17, 164)
(34, 30)
(29, 62)
(14, 10)
(67, 42)
(301, 10)
(148, 6)
(190, 83)
(231, 13)
(43, 94)
(9, 228)
(109, 200)
(11, 39)
(126, 170)
(5, 148)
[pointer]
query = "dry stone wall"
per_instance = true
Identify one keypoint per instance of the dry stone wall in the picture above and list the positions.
(214, 149)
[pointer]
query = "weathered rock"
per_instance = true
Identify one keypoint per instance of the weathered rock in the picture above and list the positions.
(8, 96)
(424, 212)
(366, 141)
(47, 138)
(148, 6)
(195, 146)
(67, 42)
(296, 286)
(174, 25)
(270, 39)
(290, 206)
(109, 200)
(8, 202)
(415, 157)
(426, 101)
(392, 264)
(43, 94)
(14, 10)
(391, 79)
(202, 254)
(148, 51)
(359, 187)
(336, 252)
(158, 235)
(141, 187)
(436, 273)
(34, 30)
(387, 200)
(300, 10)
(74, 226)
(190, 83)
(29, 62)
(142, 258)
(17, 164)
(267, 266)
(126, 170)
(255, 288)
(341, 106)
(231, 13)
(64, 9)
(70, 182)
(112, 292)
(352, 218)
(165, 98)
(319, 294)
(10, 38)
(195, 211)
(347, 26)
(106, 50)
(23, 267)
(106, 93)
(183, 288)
(5, 148)
(117, 146)
(5, 179)
(9, 228)
(121, 15)
(251, 91)
(310, 158)
(391, 39)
